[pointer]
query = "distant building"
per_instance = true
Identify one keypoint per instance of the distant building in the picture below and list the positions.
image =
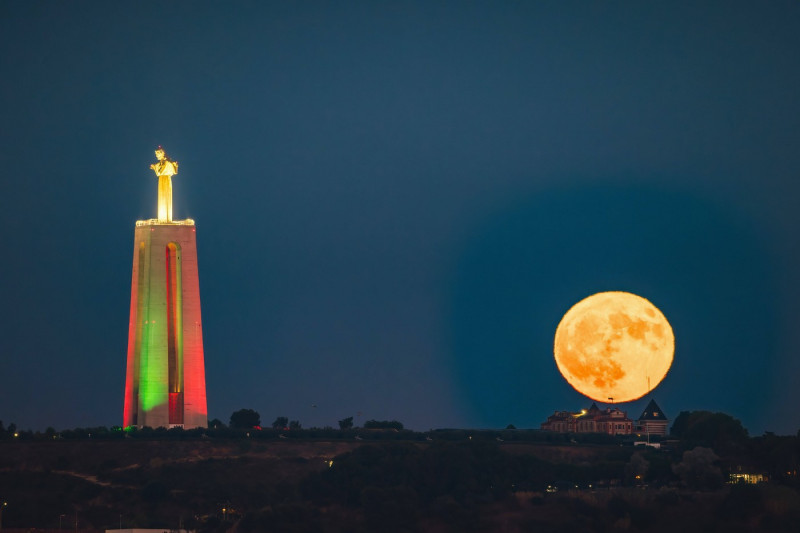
(653, 421)
(611, 421)
(740, 477)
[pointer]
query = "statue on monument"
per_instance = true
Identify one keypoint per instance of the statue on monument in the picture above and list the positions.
(165, 168)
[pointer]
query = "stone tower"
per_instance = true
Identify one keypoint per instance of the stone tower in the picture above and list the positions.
(165, 383)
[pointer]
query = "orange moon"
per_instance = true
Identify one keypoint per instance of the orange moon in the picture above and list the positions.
(614, 345)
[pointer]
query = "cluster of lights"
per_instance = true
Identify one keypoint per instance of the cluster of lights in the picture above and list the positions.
(747, 478)
(157, 222)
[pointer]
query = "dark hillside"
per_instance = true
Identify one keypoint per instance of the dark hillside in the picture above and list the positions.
(456, 481)
(151, 483)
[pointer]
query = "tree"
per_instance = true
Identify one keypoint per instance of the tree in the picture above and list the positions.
(383, 424)
(697, 469)
(294, 424)
(636, 469)
(778, 455)
(245, 419)
(280, 422)
(719, 431)
(216, 423)
(346, 423)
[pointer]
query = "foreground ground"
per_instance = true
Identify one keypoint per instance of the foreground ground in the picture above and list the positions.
(436, 484)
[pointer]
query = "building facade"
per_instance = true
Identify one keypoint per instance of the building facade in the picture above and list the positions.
(611, 421)
(653, 421)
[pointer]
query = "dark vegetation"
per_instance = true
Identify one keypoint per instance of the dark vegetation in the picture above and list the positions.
(386, 478)
(243, 419)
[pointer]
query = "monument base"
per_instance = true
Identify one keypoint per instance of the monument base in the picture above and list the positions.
(165, 383)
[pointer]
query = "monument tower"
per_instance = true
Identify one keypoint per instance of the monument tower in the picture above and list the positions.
(165, 383)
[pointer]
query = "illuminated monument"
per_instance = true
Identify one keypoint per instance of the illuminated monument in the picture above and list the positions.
(165, 383)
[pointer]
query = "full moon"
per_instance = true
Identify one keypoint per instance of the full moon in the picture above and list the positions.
(614, 345)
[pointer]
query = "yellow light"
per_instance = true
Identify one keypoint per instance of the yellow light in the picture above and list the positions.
(165, 168)
(157, 222)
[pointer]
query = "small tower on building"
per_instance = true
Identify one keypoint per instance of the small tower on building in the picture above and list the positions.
(653, 421)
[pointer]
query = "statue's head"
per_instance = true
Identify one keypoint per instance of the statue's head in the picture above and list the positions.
(160, 155)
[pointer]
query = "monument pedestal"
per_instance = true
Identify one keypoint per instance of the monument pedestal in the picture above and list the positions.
(165, 384)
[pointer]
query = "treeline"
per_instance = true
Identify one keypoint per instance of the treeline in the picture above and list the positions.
(367, 433)
(250, 419)
(247, 423)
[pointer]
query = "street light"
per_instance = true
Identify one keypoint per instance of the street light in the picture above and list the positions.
(3, 505)
(60, 518)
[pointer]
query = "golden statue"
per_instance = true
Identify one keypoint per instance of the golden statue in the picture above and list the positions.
(164, 169)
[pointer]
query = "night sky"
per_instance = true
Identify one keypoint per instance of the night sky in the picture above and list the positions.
(396, 202)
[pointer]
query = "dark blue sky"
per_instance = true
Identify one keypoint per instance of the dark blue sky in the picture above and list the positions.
(396, 202)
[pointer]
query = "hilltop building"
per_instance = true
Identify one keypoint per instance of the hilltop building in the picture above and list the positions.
(653, 421)
(611, 421)
(165, 385)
